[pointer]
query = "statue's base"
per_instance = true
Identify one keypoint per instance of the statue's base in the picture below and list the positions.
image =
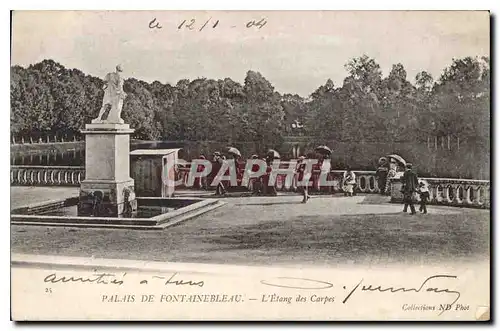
(107, 198)
(115, 128)
(98, 121)
(108, 190)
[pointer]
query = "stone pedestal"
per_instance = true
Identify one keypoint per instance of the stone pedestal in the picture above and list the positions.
(108, 190)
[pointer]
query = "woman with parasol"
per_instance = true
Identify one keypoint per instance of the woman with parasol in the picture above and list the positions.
(395, 162)
(271, 155)
(218, 160)
(236, 155)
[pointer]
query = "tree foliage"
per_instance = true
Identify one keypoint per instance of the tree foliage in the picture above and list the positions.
(50, 99)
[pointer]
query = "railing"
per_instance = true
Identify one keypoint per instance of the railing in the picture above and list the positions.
(443, 191)
(46, 176)
(15, 140)
(451, 192)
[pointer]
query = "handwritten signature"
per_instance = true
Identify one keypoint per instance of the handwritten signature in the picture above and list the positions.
(109, 278)
(311, 284)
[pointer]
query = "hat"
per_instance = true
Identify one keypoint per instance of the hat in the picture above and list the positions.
(255, 156)
(409, 166)
(302, 157)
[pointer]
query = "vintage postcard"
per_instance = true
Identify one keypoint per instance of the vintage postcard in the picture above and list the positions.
(250, 165)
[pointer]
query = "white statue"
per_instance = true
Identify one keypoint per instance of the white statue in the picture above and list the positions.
(113, 98)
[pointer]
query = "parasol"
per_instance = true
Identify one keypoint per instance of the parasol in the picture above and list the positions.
(325, 150)
(234, 151)
(397, 158)
(273, 154)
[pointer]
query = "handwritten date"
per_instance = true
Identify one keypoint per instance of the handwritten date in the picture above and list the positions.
(194, 25)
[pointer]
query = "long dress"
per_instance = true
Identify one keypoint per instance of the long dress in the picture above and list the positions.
(391, 174)
(349, 181)
(301, 176)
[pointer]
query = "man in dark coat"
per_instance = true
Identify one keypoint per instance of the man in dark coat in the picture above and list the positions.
(381, 174)
(410, 186)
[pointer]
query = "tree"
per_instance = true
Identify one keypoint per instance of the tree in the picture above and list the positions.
(262, 111)
(460, 93)
(139, 109)
(324, 114)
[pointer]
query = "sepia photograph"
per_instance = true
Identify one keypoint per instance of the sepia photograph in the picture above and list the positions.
(250, 165)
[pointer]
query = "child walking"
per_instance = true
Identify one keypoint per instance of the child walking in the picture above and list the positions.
(423, 191)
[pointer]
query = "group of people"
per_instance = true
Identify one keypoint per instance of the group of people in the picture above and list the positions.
(388, 169)
(262, 186)
(256, 185)
(412, 185)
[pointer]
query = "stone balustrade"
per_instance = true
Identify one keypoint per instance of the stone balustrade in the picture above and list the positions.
(450, 192)
(46, 175)
(443, 191)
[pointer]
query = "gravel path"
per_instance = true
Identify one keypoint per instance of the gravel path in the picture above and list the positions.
(280, 230)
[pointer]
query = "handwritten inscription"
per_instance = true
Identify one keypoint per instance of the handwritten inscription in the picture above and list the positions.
(344, 293)
(391, 289)
(100, 278)
(112, 279)
(153, 24)
(171, 281)
(192, 24)
(310, 284)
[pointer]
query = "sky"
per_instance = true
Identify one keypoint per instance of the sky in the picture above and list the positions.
(297, 51)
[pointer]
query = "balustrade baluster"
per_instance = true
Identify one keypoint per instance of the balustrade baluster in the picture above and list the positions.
(459, 199)
(470, 195)
(479, 196)
(449, 194)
